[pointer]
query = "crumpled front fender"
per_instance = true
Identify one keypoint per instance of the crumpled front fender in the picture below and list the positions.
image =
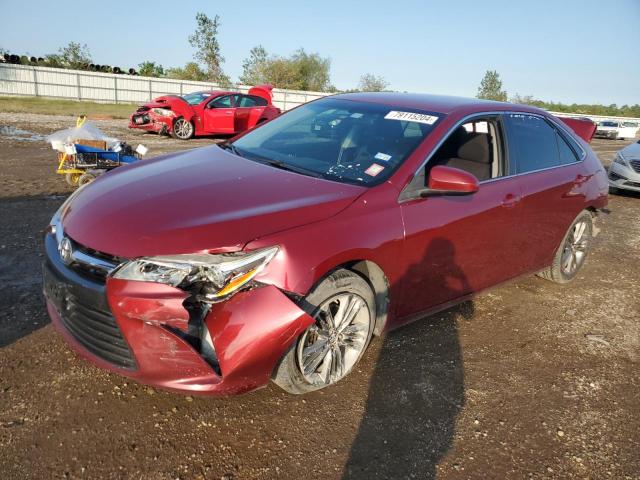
(252, 331)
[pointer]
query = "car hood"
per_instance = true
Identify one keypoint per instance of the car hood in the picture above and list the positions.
(200, 200)
(631, 152)
(173, 103)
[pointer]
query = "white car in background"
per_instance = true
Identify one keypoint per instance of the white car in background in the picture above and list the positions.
(616, 130)
(624, 172)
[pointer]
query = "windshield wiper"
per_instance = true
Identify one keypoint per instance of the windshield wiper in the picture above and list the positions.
(291, 168)
(231, 147)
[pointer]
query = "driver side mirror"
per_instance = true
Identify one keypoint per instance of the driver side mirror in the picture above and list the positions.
(450, 181)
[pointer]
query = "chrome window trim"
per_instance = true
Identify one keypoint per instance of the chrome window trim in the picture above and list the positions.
(482, 114)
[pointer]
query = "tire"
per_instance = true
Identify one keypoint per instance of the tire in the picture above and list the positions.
(86, 178)
(182, 129)
(571, 254)
(343, 350)
(72, 178)
(614, 190)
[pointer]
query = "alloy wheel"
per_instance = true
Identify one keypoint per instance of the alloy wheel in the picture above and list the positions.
(575, 248)
(183, 129)
(328, 350)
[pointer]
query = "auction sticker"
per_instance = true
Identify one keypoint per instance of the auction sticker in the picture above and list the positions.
(374, 170)
(411, 117)
(382, 156)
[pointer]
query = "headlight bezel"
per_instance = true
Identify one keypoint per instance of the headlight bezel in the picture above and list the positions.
(620, 160)
(209, 277)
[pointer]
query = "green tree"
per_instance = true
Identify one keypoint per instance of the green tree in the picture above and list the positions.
(312, 71)
(191, 71)
(253, 67)
(372, 83)
(75, 55)
(205, 41)
(491, 87)
(151, 69)
(300, 71)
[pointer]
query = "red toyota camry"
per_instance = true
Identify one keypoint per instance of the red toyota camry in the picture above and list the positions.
(206, 113)
(278, 255)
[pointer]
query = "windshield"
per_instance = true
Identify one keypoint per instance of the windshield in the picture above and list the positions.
(196, 97)
(609, 124)
(341, 140)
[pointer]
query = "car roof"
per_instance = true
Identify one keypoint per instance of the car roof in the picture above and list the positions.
(434, 103)
(215, 93)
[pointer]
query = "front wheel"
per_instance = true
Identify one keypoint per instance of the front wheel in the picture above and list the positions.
(343, 307)
(572, 252)
(182, 129)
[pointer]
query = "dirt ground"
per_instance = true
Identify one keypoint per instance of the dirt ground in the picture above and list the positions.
(531, 380)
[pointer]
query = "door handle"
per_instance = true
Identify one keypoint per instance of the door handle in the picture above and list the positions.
(228, 113)
(510, 200)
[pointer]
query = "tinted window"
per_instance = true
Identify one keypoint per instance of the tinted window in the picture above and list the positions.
(566, 153)
(251, 101)
(221, 102)
(532, 143)
(342, 140)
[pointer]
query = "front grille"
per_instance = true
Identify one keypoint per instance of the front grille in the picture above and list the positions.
(632, 184)
(83, 308)
(613, 176)
(97, 331)
(635, 164)
(93, 264)
(141, 119)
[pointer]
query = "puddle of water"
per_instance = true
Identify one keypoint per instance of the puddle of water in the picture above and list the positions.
(20, 135)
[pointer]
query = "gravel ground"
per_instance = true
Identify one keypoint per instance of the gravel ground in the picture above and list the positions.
(531, 380)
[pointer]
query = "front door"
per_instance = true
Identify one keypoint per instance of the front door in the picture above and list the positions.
(219, 115)
(456, 245)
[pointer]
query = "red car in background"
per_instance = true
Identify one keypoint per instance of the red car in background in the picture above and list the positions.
(206, 113)
(279, 254)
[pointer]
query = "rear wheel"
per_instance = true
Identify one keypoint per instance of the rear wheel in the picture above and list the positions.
(572, 251)
(343, 307)
(182, 129)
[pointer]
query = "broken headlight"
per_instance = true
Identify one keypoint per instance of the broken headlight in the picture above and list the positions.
(163, 112)
(210, 277)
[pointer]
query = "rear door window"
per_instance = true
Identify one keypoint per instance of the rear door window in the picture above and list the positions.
(567, 155)
(251, 101)
(532, 143)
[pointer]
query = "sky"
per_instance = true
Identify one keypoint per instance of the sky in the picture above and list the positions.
(569, 51)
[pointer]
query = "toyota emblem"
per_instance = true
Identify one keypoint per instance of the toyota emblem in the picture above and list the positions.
(66, 250)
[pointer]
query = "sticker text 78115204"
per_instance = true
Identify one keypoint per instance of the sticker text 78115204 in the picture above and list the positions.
(411, 117)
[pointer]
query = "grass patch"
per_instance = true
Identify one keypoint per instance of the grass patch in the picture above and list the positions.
(49, 106)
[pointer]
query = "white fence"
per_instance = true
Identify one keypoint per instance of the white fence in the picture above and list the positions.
(24, 80)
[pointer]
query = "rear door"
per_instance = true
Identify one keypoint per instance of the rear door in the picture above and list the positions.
(219, 115)
(249, 108)
(456, 245)
(552, 176)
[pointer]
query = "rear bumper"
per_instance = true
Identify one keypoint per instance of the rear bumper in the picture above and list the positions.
(250, 331)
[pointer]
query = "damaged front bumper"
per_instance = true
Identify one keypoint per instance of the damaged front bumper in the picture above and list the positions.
(143, 331)
(150, 121)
